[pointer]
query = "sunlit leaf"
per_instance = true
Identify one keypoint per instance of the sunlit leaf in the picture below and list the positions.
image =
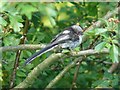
(90, 32)
(26, 9)
(21, 74)
(65, 51)
(46, 22)
(104, 21)
(51, 12)
(114, 53)
(3, 22)
(100, 46)
(15, 22)
(100, 30)
(10, 40)
(17, 26)
(77, 49)
(52, 20)
(63, 16)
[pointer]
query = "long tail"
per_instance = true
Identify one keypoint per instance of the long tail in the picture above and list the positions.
(39, 53)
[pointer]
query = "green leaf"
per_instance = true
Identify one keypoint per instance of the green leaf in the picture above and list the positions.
(105, 83)
(26, 9)
(40, 36)
(50, 11)
(114, 53)
(65, 51)
(100, 30)
(52, 20)
(17, 26)
(21, 74)
(100, 46)
(90, 32)
(104, 21)
(77, 49)
(11, 40)
(15, 22)
(98, 82)
(3, 22)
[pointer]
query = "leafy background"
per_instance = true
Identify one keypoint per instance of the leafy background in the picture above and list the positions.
(45, 21)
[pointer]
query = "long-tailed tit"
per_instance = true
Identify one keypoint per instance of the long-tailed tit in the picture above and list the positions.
(70, 38)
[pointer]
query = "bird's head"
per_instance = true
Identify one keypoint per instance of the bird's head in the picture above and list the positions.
(77, 29)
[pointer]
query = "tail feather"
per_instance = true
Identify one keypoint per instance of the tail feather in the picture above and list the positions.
(39, 53)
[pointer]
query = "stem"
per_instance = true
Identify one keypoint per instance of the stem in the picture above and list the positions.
(16, 64)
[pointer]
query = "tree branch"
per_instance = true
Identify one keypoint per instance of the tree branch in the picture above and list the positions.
(99, 23)
(22, 47)
(18, 53)
(76, 73)
(47, 62)
(113, 67)
(89, 52)
(32, 76)
(61, 74)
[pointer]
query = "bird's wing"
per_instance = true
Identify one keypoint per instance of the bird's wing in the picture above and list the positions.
(63, 36)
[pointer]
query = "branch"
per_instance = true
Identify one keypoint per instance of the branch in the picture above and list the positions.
(76, 73)
(61, 74)
(113, 67)
(18, 53)
(99, 23)
(47, 62)
(32, 76)
(89, 52)
(22, 47)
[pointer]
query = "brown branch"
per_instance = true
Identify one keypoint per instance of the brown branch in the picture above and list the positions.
(113, 67)
(76, 74)
(16, 63)
(62, 73)
(79, 63)
(89, 52)
(32, 76)
(93, 42)
(22, 47)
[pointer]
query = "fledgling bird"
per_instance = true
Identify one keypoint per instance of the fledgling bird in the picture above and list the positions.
(70, 38)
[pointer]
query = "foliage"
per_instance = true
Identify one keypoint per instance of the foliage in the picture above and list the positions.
(45, 21)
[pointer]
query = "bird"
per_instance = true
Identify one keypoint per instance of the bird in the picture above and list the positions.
(69, 38)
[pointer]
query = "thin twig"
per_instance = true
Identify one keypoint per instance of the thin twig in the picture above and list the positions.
(76, 74)
(113, 67)
(16, 63)
(61, 74)
(78, 66)
(93, 42)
